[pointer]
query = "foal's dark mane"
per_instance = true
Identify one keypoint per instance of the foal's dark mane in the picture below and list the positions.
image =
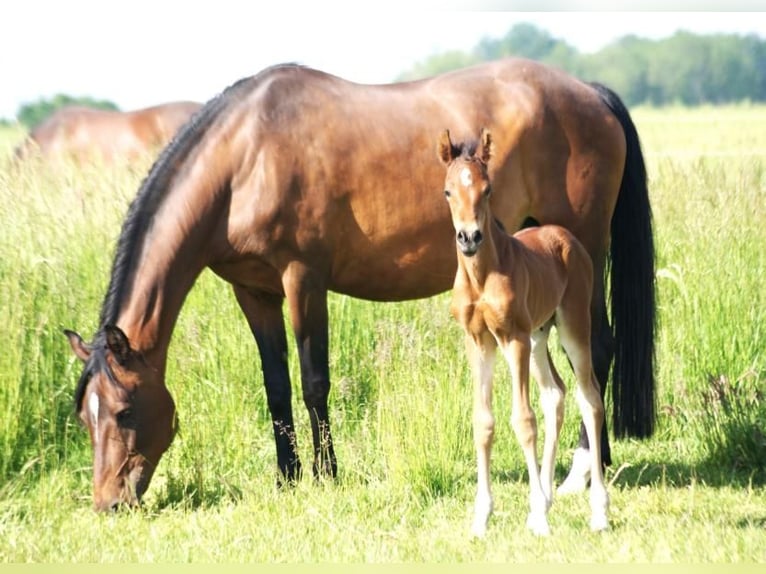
(141, 213)
(465, 150)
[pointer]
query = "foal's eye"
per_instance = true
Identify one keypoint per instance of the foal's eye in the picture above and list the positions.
(487, 191)
(447, 193)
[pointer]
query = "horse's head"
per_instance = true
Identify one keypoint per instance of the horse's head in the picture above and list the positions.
(467, 188)
(129, 413)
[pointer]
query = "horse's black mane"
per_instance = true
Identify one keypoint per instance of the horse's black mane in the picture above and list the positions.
(138, 220)
(154, 189)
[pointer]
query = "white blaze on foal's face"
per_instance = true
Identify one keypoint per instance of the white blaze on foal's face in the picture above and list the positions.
(465, 177)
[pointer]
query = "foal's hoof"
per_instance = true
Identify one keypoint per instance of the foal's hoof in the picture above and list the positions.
(478, 529)
(538, 524)
(599, 523)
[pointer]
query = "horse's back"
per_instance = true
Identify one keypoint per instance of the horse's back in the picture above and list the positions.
(163, 121)
(375, 223)
(83, 133)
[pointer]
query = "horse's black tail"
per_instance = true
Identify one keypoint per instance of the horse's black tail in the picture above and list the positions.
(632, 288)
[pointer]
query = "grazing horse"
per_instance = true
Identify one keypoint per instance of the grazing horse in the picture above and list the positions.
(509, 290)
(83, 134)
(293, 183)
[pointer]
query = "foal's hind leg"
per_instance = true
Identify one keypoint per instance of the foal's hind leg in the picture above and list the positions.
(602, 351)
(481, 355)
(575, 340)
(552, 401)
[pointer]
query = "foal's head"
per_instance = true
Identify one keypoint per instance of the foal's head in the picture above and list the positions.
(129, 413)
(467, 188)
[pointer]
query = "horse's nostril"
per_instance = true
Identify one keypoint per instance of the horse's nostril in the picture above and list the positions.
(477, 236)
(462, 236)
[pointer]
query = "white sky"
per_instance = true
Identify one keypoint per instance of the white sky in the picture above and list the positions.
(144, 52)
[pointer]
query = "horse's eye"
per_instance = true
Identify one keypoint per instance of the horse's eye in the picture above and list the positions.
(447, 193)
(126, 418)
(488, 191)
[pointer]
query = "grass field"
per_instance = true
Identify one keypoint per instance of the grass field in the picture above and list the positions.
(400, 401)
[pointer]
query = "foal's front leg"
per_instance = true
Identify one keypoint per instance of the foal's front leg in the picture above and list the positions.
(481, 353)
(517, 353)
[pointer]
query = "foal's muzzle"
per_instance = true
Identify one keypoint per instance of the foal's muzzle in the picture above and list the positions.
(469, 241)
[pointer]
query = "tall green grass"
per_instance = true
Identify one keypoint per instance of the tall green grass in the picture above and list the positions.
(400, 402)
(708, 190)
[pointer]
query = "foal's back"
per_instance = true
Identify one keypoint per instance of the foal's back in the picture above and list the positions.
(548, 263)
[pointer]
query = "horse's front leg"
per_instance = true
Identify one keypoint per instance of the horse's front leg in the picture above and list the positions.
(524, 423)
(307, 301)
(264, 315)
(481, 354)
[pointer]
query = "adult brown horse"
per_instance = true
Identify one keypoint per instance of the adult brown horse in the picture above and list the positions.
(83, 134)
(294, 182)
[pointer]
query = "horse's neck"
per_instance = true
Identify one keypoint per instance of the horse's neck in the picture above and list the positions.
(175, 250)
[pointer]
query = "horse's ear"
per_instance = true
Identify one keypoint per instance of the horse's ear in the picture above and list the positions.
(487, 148)
(117, 343)
(444, 147)
(80, 348)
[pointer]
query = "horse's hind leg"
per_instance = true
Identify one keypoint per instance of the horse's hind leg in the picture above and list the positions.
(552, 402)
(481, 355)
(575, 340)
(264, 315)
(307, 300)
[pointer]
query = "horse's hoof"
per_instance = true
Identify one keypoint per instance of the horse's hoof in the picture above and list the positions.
(579, 476)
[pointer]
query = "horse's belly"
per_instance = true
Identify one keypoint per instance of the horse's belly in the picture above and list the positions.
(395, 276)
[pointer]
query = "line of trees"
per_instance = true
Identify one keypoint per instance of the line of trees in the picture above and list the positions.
(685, 68)
(33, 113)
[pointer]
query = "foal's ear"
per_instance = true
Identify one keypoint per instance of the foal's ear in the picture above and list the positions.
(444, 147)
(117, 343)
(487, 147)
(80, 348)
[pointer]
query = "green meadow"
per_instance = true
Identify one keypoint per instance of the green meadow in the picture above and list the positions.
(400, 402)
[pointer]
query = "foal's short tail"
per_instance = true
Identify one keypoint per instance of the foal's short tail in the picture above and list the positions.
(632, 288)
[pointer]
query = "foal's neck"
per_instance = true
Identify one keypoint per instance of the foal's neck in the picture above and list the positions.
(487, 259)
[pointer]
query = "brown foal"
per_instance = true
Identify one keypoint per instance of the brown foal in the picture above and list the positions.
(509, 290)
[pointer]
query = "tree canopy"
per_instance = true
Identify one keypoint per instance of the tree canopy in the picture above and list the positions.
(684, 68)
(33, 113)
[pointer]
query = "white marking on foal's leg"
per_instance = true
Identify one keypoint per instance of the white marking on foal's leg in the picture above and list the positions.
(552, 402)
(482, 510)
(93, 405)
(482, 358)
